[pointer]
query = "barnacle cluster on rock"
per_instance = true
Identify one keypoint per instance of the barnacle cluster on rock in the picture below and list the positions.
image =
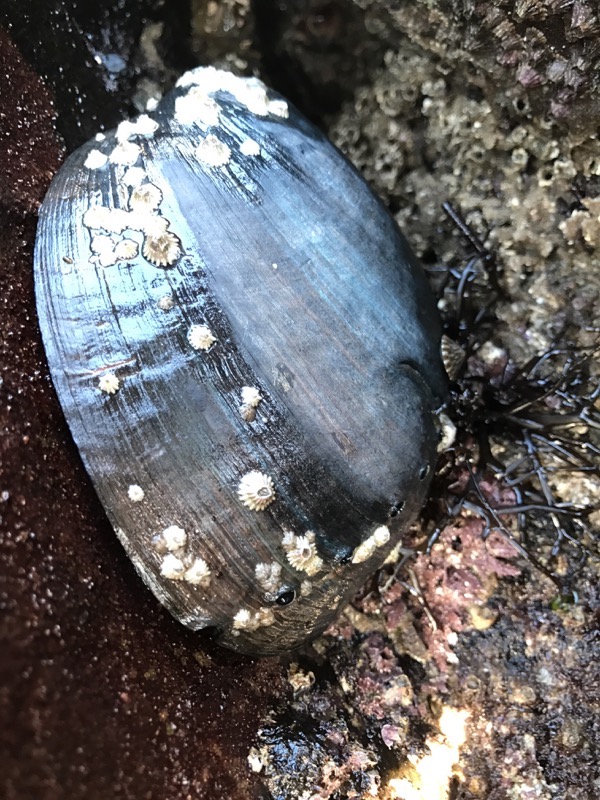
(518, 178)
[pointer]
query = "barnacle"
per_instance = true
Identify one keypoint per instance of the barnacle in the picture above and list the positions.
(201, 337)
(96, 160)
(125, 154)
(213, 152)
(162, 250)
(198, 573)
(256, 490)
(135, 493)
(248, 620)
(268, 576)
(109, 383)
(126, 249)
(134, 176)
(172, 568)
(250, 400)
(244, 620)
(174, 537)
(250, 148)
(113, 220)
(301, 552)
(146, 197)
(196, 107)
(250, 396)
(369, 547)
(142, 126)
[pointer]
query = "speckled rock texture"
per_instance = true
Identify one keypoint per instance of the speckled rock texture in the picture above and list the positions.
(465, 675)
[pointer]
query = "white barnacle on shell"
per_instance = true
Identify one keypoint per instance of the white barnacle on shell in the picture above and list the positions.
(250, 148)
(162, 250)
(252, 93)
(126, 249)
(117, 220)
(256, 490)
(250, 400)
(113, 220)
(94, 217)
(125, 130)
(103, 250)
(142, 126)
(251, 396)
(249, 92)
(288, 541)
(278, 108)
(268, 576)
(146, 197)
(196, 107)
(213, 152)
(304, 557)
(381, 535)
(250, 621)
(166, 302)
(125, 154)
(201, 337)
(135, 493)
(248, 413)
(102, 243)
(244, 620)
(145, 126)
(301, 552)
(174, 537)
(95, 160)
(265, 616)
(109, 383)
(190, 78)
(366, 549)
(97, 218)
(198, 573)
(107, 259)
(172, 568)
(148, 222)
(134, 176)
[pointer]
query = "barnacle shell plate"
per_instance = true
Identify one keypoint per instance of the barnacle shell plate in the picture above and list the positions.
(256, 259)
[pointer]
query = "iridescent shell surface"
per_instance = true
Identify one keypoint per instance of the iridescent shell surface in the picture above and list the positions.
(247, 355)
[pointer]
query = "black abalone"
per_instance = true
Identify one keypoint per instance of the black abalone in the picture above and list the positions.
(247, 355)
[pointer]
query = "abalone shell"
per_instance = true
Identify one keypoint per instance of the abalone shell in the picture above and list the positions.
(247, 355)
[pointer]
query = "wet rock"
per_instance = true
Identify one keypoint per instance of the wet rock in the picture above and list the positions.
(96, 57)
